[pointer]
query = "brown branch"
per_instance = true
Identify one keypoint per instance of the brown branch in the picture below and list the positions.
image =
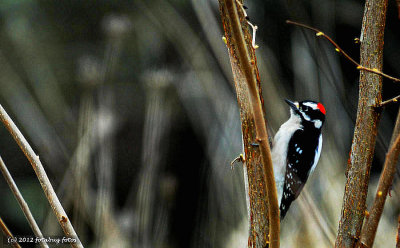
(387, 102)
(385, 182)
(319, 33)
(256, 199)
(48, 190)
(252, 115)
(366, 128)
(22, 203)
(7, 233)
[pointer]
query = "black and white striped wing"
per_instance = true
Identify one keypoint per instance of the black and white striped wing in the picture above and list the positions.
(300, 164)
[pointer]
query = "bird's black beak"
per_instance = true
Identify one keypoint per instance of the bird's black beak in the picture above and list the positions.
(293, 105)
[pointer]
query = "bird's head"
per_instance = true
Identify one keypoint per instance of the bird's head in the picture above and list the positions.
(309, 112)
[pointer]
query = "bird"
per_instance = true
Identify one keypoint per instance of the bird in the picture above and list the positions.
(296, 150)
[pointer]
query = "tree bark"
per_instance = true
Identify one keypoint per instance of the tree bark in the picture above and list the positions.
(259, 179)
(363, 146)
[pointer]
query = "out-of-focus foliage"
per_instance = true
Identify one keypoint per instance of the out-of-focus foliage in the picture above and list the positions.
(131, 107)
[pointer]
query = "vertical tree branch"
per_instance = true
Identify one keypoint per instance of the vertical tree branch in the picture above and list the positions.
(21, 201)
(48, 190)
(363, 146)
(260, 174)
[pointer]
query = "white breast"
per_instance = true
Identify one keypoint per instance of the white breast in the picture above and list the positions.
(279, 151)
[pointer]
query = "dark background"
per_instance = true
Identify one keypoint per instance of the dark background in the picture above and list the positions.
(131, 107)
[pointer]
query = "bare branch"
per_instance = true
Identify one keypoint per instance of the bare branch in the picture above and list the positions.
(7, 233)
(385, 182)
(249, 94)
(319, 33)
(366, 128)
(21, 201)
(387, 102)
(48, 190)
(369, 231)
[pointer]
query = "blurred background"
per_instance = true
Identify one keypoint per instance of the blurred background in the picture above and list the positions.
(131, 107)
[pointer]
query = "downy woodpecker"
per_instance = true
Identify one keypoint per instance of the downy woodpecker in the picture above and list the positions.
(296, 150)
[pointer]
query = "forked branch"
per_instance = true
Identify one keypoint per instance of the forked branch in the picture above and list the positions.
(366, 127)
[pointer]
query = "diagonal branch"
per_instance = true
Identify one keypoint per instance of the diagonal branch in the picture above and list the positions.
(385, 182)
(387, 102)
(7, 233)
(22, 203)
(48, 190)
(340, 50)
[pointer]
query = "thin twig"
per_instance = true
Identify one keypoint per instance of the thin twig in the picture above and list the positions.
(7, 233)
(22, 203)
(387, 102)
(48, 190)
(385, 182)
(340, 50)
(261, 131)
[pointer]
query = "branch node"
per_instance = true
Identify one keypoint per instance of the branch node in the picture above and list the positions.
(387, 102)
(63, 219)
(224, 40)
(238, 159)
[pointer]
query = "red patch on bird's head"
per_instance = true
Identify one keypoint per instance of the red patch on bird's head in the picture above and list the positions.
(321, 108)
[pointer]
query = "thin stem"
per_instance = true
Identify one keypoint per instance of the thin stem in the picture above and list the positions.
(261, 131)
(7, 233)
(22, 203)
(48, 190)
(340, 50)
(390, 101)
